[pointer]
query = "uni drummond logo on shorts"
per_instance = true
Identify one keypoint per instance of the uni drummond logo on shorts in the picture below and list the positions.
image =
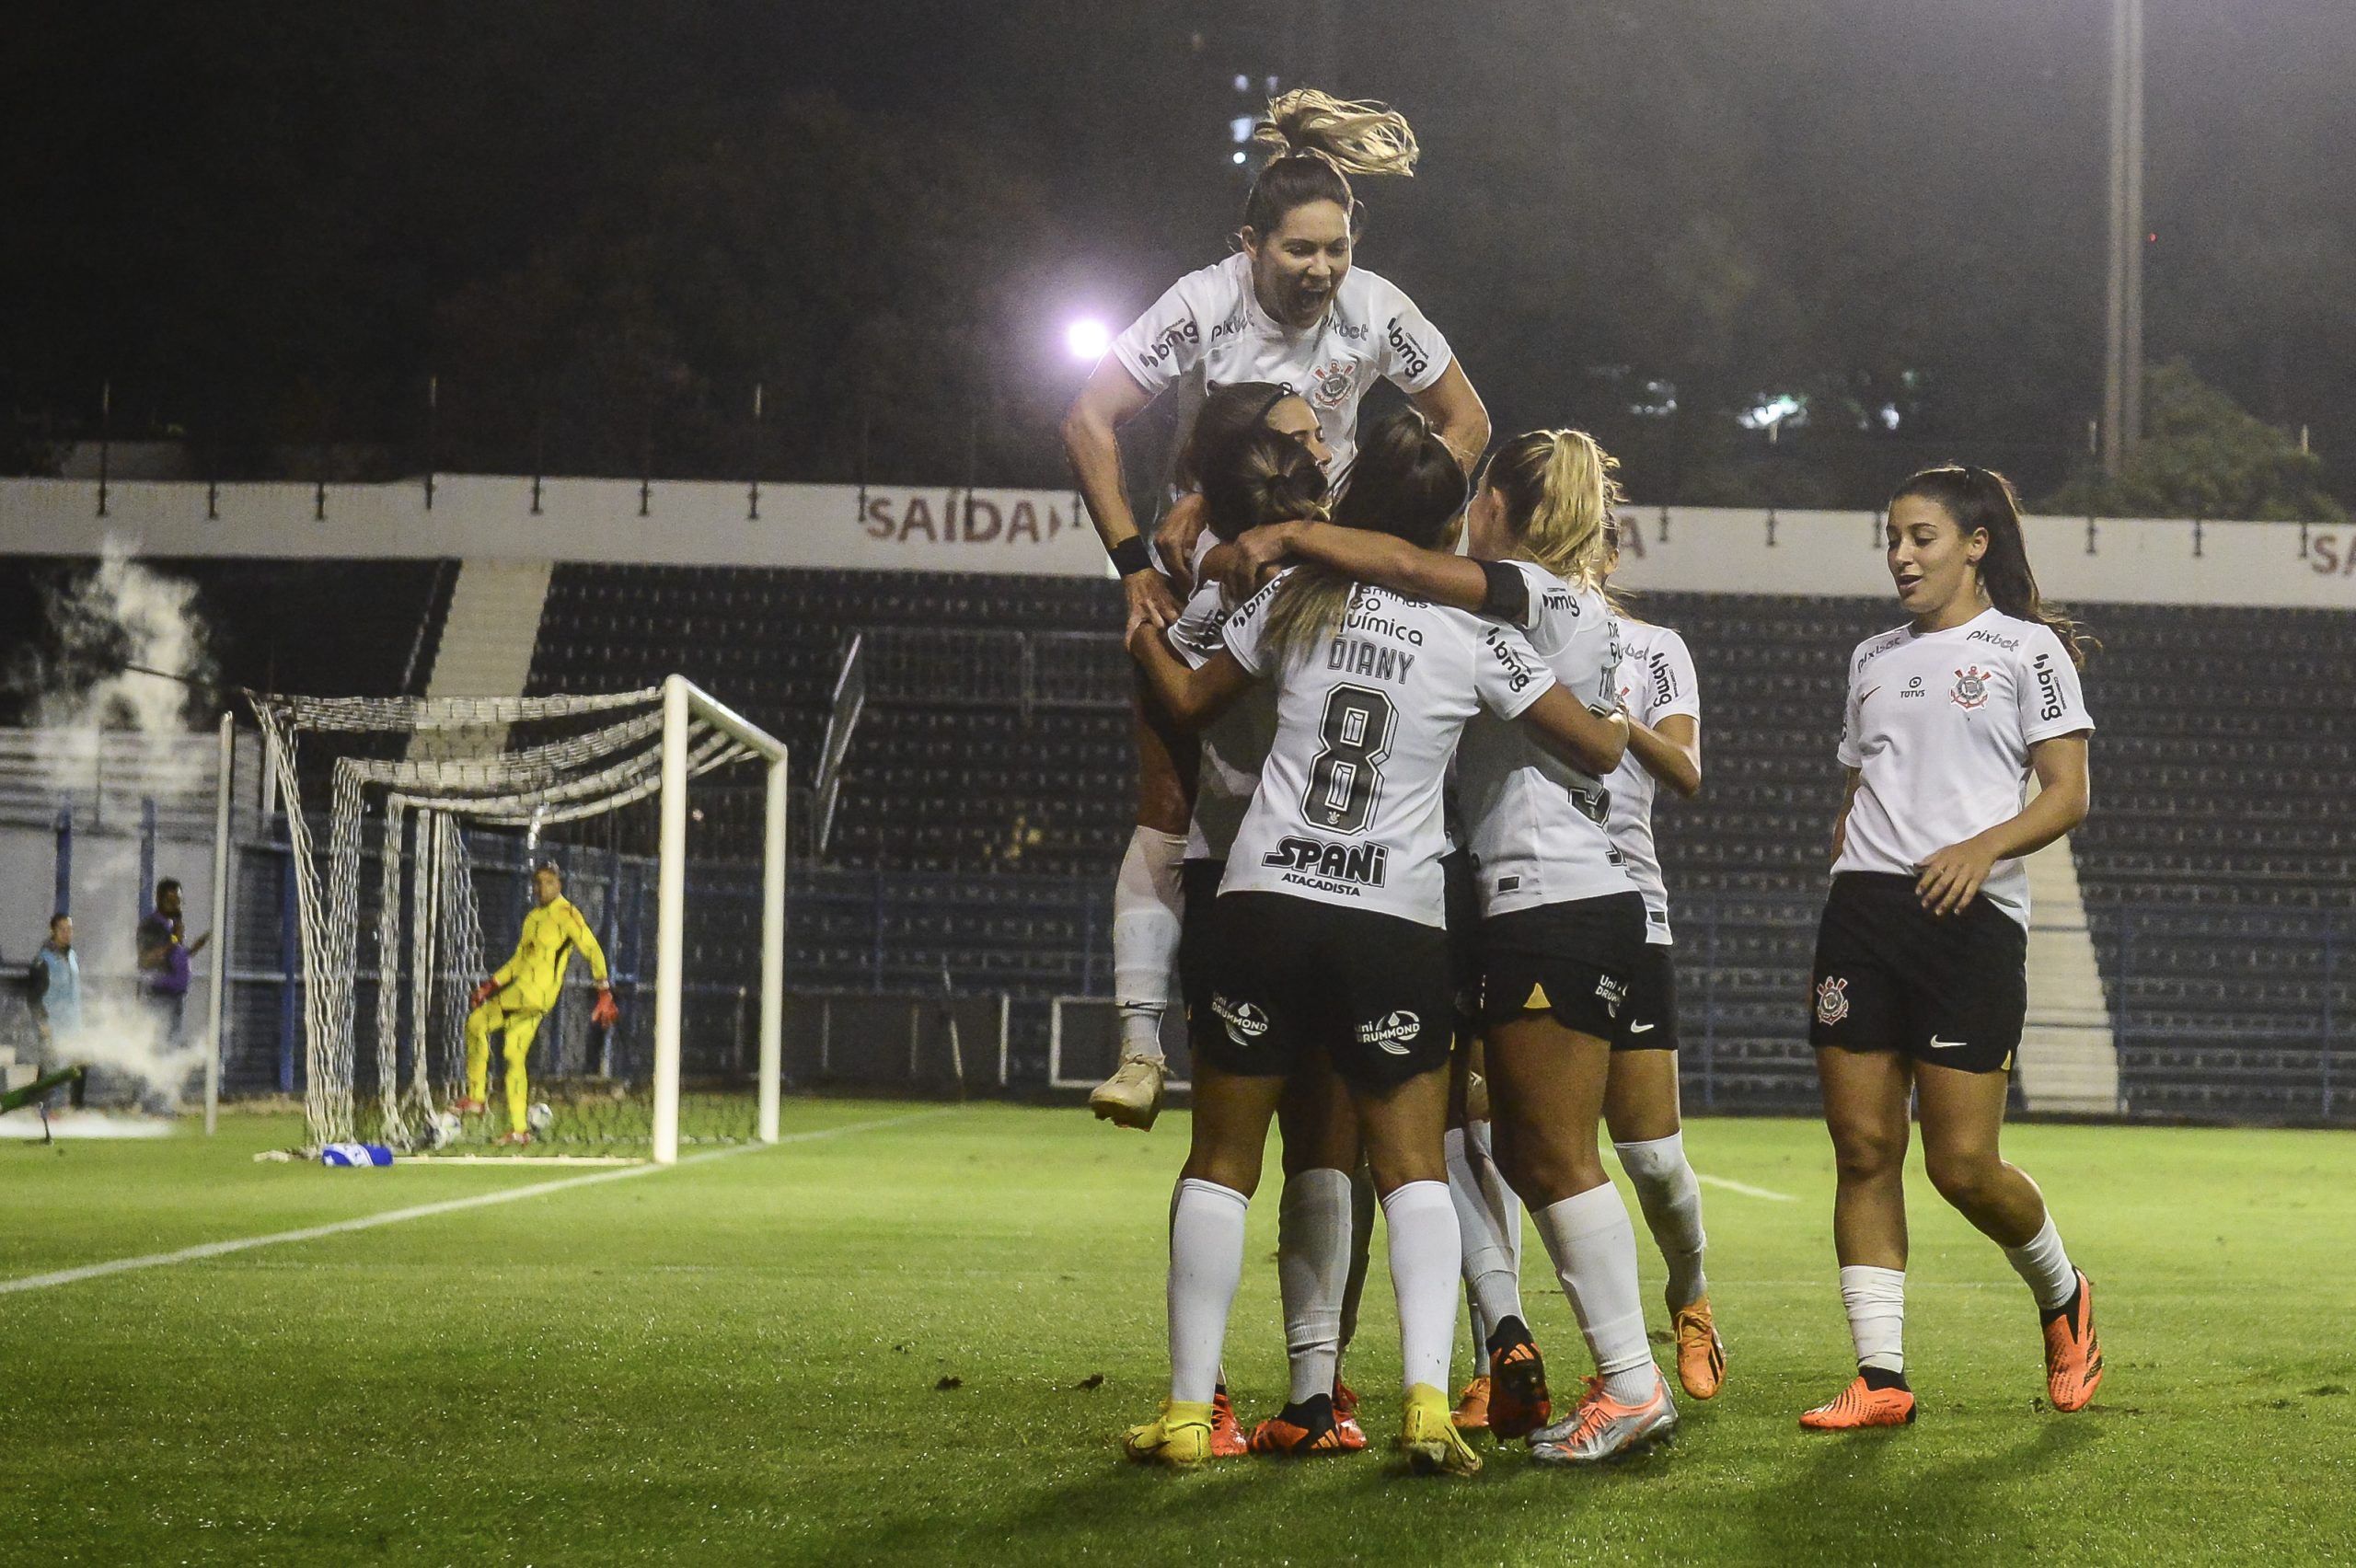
(1391, 1032)
(1245, 1022)
(1611, 993)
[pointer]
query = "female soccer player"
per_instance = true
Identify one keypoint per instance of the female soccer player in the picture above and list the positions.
(1659, 693)
(1563, 928)
(1290, 308)
(1147, 893)
(1920, 977)
(1330, 938)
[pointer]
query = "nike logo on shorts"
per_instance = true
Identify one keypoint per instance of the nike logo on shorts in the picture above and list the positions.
(1940, 1044)
(1642, 1027)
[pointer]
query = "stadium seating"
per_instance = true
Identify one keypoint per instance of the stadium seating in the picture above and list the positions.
(977, 835)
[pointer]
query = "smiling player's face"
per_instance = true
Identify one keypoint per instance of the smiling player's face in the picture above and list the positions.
(1932, 562)
(1298, 265)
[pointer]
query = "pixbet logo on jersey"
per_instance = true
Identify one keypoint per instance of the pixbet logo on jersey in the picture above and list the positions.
(1971, 688)
(1365, 864)
(1391, 1032)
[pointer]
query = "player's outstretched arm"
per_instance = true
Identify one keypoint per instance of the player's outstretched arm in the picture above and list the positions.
(1458, 415)
(1383, 559)
(1110, 399)
(1193, 698)
(1592, 743)
(1670, 752)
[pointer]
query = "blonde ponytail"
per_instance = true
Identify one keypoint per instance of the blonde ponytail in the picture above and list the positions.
(1356, 138)
(1559, 489)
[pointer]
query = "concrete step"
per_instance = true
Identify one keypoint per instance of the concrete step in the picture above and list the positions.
(486, 647)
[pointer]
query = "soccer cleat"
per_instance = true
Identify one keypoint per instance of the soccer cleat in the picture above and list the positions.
(1180, 1436)
(1132, 1096)
(1429, 1438)
(1604, 1428)
(1346, 1399)
(2073, 1355)
(1226, 1432)
(1473, 1406)
(1860, 1404)
(1701, 1354)
(1518, 1402)
(515, 1139)
(1306, 1429)
(468, 1107)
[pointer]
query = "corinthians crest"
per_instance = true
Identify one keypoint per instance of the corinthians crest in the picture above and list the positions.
(1333, 383)
(1972, 687)
(1832, 1001)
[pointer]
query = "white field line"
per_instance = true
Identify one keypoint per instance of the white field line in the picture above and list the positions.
(1745, 1188)
(416, 1211)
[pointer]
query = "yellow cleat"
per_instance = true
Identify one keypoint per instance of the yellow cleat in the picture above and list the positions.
(1132, 1096)
(1701, 1354)
(1180, 1436)
(1429, 1438)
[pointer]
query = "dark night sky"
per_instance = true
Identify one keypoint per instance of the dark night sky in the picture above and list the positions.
(1806, 193)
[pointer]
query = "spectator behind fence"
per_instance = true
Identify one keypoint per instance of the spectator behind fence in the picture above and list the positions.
(165, 953)
(53, 984)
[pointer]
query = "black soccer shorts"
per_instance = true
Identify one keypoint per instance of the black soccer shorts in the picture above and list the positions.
(1890, 975)
(1575, 961)
(1648, 1021)
(1293, 976)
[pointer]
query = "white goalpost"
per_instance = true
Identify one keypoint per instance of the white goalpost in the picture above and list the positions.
(433, 782)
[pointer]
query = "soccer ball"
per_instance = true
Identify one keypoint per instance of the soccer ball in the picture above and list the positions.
(444, 1130)
(541, 1117)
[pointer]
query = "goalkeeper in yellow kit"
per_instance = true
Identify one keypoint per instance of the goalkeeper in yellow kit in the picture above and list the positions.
(516, 999)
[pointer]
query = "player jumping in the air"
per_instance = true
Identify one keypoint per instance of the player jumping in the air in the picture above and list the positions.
(1921, 983)
(1290, 308)
(519, 995)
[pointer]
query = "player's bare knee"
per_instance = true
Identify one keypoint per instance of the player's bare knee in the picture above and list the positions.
(1967, 1178)
(1862, 1156)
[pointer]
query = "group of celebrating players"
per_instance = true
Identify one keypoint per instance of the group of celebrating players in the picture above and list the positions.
(1398, 750)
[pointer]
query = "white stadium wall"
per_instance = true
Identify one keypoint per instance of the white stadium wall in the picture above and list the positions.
(902, 527)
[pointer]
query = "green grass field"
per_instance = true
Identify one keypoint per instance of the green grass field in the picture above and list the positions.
(915, 1341)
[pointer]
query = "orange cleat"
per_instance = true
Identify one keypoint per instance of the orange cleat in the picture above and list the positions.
(2073, 1355)
(1226, 1435)
(1701, 1354)
(1859, 1405)
(1473, 1406)
(515, 1139)
(1345, 1401)
(1518, 1402)
(1302, 1431)
(468, 1107)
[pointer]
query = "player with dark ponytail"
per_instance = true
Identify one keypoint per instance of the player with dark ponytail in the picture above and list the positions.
(1920, 980)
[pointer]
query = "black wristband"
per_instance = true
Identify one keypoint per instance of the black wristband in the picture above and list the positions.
(1130, 556)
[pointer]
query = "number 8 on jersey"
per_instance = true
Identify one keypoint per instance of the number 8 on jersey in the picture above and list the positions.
(1345, 778)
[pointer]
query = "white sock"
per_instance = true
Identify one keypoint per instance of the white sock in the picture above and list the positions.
(1206, 1261)
(1426, 1253)
(1490, 1267)
(2045, 1267)
(1504, 1202)
(1876, 1300)
(1148, 902)
(1312, 1267)
(1594, 1249)
(1672, 1200)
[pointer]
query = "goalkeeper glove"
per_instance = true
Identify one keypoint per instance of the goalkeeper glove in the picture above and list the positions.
(485, 991)
(604, 1014)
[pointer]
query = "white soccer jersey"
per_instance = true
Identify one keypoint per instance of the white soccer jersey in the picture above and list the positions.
(1656, 683)
(1211, 319)
(1536, 823)
(1939, 726)
(1348, 810)
(1233, 746)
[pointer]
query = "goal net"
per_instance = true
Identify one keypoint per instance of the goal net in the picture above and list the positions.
(412, 827)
